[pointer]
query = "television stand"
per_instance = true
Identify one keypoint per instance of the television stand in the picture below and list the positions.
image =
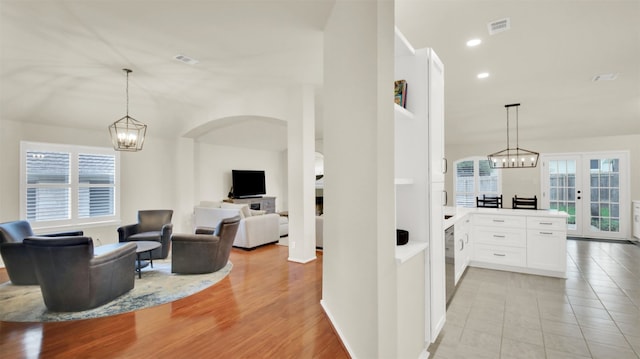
(260, 203)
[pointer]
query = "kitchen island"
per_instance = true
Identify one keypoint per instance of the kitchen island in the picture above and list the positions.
(517, 240)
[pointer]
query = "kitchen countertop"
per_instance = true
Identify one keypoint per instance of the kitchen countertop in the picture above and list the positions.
(458, 213)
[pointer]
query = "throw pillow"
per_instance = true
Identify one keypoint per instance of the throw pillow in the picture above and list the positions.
(244, 208)
(256, 212)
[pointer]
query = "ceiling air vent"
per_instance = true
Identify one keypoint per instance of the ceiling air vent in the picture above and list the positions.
(604, 77)
(499, 26)
(186, 59)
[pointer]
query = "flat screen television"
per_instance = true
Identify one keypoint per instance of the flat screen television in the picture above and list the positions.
(247, 183)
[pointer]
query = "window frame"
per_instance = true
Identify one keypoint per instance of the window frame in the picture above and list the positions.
(73, 185)
(476, 179)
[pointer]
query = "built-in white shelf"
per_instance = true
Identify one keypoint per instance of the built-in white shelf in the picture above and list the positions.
(402, 181)
(402, 47)
(409, 250)
(402, 113)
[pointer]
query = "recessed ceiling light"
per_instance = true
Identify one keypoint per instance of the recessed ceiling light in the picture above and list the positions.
(474, 42)
(483, 75)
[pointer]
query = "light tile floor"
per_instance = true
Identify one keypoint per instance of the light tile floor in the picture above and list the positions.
(594, 313)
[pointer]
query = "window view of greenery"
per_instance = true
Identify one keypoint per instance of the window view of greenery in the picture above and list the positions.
(562, 188)
(605, 194)
(474, 177)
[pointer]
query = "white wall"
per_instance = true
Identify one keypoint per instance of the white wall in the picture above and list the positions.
(213, 165)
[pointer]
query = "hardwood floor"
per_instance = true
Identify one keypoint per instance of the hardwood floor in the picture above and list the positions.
(267, 307)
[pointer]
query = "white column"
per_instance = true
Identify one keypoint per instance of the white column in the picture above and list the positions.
(185, 182)
(301, 175)
(359, 290)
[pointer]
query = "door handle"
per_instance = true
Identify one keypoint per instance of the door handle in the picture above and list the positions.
(445, 165)
(446, 198)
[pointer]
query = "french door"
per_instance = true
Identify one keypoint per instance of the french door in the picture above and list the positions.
(592, 188)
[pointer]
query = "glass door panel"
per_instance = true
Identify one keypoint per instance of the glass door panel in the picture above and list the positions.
(592, 189)
(561, 191)
(604, 197)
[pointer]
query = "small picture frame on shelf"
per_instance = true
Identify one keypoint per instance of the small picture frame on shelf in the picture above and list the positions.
(400, 93)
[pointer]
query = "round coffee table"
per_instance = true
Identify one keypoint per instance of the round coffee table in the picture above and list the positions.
(144, 247)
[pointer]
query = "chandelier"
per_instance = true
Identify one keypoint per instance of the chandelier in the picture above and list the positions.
(127, 134)
(513, 157)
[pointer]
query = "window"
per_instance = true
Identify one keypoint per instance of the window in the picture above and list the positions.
(65, 185)
(474, 177)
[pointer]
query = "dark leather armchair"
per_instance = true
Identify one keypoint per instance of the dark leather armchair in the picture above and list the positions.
(72, 279)
(205, 251)
(14, 254)
(153, 225)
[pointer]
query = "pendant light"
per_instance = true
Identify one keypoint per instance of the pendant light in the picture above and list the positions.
(513, 157)
(127, 134)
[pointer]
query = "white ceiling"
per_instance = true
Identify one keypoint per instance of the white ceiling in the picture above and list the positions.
(61, 61)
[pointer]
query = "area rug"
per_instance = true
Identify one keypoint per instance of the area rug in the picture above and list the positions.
(20, 303)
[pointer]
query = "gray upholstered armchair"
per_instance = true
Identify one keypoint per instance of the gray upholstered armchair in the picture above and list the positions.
(14, 254)
(73, 279)
(205, 251)
(153, 225)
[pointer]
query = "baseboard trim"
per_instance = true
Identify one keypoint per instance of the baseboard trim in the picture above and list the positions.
(302, 261)
(620, 241)
(336, 329)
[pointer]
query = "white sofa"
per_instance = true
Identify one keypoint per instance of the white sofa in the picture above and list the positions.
(256, 228)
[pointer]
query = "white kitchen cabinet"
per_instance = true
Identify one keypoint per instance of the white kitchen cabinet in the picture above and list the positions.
(500, 239)
(501, 255)
(636, 219)
(437, 161)
(547, 243)
(462, 247)
(520, 241)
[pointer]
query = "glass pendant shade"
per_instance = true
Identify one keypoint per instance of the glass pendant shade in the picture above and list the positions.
(513, 157)
(127, 134)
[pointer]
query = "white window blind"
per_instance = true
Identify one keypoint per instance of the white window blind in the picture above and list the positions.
(65, 185)
(48, 184)
(474, 177)
(96, 190)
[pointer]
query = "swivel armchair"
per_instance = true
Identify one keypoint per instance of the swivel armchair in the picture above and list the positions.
(153, 225)
(14, 254)
(206, 251)
(72, 279)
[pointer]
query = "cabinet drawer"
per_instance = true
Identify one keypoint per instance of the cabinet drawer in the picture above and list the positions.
(546, 223)
(513, 237)
(501, 255)
(499, 221)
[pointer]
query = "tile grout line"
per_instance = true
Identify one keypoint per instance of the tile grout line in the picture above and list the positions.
(571, 304)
